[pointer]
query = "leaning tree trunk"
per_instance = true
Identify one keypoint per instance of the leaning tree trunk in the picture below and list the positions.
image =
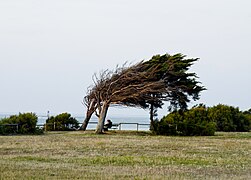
(91, 108)
(86, 121)
(151, 117)
(102, 116)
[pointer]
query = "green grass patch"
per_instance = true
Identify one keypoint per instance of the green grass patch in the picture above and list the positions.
(125, 155)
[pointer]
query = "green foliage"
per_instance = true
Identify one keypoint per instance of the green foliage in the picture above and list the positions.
(19, 124)
(247, 115)
(201, 120)
(62, 122)
(194, 122)
(229, 118)
(180, 84)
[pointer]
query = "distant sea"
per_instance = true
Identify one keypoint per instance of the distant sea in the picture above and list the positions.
(115, 119)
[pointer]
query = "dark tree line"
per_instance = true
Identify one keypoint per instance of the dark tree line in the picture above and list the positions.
(202, 120)
(146, 84)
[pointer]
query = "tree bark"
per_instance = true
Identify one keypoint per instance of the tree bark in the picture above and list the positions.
(102, 116)
(91, 108)
(151, 116)
(86, 121)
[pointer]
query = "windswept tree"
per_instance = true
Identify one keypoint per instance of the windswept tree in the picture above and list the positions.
(146, 85)
(180, 85)
(126, 86)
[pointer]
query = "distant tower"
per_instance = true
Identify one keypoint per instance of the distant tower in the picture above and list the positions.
(48, 114)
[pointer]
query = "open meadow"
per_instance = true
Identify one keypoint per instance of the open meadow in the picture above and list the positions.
(125, 155)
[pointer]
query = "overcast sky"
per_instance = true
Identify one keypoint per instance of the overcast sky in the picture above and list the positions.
(49, 49)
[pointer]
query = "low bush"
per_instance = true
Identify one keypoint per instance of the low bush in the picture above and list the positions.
(24, 123)
(194, 122)
(247, 115)
(229, 118)
(62, 122)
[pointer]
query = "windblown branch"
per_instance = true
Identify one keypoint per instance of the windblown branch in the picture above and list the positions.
(162, 78)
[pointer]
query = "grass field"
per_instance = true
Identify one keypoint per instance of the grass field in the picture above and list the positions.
(125, 155)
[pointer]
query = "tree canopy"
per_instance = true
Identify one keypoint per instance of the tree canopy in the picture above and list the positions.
(145, 84)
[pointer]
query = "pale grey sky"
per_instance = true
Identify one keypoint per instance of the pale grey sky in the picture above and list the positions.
(49, 49)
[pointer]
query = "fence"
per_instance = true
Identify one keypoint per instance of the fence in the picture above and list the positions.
(12, 127)
(137, 125)
(115, 126)
(118, 126)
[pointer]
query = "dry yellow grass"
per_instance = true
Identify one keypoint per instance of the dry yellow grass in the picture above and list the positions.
(125, 155)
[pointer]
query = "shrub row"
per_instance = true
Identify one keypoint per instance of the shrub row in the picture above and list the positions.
(20, 124)
(229, 118)
(204, 121)
(26, 123)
